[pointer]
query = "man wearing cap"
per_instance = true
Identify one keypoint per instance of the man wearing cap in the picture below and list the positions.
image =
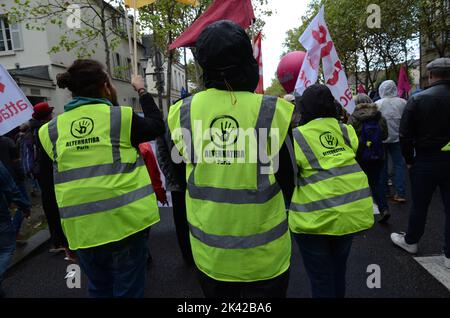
(425, 141)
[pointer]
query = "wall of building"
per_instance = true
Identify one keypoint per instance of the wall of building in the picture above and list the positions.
(35, 53)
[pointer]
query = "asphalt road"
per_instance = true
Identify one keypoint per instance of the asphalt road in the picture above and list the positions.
(42, 274)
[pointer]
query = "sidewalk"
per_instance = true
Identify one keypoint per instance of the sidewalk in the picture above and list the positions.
(34, 231)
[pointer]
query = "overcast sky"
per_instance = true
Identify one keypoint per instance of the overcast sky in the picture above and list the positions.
(288, 15)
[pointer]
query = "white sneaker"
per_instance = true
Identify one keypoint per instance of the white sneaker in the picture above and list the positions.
(447, 262)
(399, 240)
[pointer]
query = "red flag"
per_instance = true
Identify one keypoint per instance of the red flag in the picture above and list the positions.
(257, 52)
(403, 86)
(361, 89)
(238, 11)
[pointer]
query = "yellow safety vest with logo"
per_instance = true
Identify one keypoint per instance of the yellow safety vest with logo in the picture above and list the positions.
(332, 196)
(102, 186)
(237, 216)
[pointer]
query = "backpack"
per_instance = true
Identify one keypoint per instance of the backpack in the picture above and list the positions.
(370, 142)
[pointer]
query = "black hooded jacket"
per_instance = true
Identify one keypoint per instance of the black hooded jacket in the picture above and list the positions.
(227, 61)
(317, 102)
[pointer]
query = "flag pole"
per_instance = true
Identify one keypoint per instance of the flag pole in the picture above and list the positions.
(130, 45)
(135, 38)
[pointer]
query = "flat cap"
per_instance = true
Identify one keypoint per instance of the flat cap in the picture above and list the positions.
(442, 63)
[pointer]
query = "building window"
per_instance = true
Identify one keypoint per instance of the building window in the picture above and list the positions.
(117, 66)
(129, 69)
(5, 36)
(10, 36)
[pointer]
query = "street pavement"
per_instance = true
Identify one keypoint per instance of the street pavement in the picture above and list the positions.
(42, 274)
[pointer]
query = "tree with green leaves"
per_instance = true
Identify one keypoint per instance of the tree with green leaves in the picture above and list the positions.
(167, 19)
(362, 49)
(434, 22)
(275, 89)
(99, 20)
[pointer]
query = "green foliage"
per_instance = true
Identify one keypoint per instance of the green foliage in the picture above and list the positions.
(275, 89)
(363, 49)
(96, 24)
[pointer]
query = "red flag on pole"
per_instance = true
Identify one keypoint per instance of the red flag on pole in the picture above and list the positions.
(257, 53)
(238, 11)
(361, 89)
(403, 85)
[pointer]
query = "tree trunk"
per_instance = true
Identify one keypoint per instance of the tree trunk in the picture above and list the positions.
(105, 40)
(170, 57)
(169, 74)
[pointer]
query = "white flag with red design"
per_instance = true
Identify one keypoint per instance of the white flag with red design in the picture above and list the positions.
(317, 41)
(257, 53)
(15, 109)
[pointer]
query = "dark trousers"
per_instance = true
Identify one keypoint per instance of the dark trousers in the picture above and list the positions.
(117, 269)
(374, 173)
(271, 288)
(325, 259)
(51, 211)
(181, 225)
(426, 175)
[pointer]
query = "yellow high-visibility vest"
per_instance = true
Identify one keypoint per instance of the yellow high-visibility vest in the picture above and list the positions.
(236, 213)
(102, 187)
(332, 196)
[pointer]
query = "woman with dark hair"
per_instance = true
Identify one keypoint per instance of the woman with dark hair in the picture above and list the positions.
(332, 199)
(103, 190)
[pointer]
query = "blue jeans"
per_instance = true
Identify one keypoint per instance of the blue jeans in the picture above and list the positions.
(7, 246)
(117, 269)
(325, 259)
(426, 175)
(395, 152)
(18, 217)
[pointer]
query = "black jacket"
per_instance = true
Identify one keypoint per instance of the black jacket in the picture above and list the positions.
(175, 174)
(425, 125)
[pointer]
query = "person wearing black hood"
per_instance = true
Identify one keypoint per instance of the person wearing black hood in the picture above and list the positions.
(232, 141)
(332, 200)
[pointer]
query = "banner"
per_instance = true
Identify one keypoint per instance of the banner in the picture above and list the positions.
(257, 53)
(138, 3)
(15, 109)
(141, 3)
(403, 86)
(317, 40)
(239, 11)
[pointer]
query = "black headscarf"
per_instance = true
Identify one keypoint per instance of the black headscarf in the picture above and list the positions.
(225, 53)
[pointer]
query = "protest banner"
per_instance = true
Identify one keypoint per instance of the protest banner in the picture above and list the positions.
(15, 108)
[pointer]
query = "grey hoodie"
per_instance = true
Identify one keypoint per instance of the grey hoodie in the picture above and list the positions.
(392, 108)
